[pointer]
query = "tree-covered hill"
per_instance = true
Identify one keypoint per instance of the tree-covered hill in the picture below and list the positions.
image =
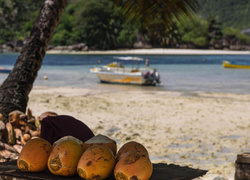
(99, 24)
(231, 13)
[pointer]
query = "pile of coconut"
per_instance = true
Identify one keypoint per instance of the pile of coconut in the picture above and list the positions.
(19, 129)
(96, 158)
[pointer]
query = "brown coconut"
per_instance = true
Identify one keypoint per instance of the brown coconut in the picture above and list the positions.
(34, 155)
(134, 165)
(35, 133)
(101, 140)
(25, 138)
(97, 162)
(64, 157)
(130, 146)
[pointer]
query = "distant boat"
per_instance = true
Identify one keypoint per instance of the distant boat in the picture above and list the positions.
(116, 72)
(231, 64)
(4, 70)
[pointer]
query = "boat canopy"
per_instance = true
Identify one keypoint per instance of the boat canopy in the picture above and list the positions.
(129, 58)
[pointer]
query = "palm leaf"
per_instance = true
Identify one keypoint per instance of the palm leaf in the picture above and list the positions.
(163, 12)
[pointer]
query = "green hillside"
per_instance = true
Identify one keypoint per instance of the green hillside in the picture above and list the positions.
(100, 25)
(231, 13)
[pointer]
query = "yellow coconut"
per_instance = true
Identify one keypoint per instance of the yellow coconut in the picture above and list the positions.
(101, 140)
(134, 165)
(130, 146)
(34, 155)
(64, 157)
(67, 138)
(97, 162)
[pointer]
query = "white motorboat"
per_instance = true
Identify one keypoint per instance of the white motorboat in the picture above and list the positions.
(4, 70)
(116, 72)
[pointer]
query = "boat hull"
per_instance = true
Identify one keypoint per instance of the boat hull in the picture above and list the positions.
(122, 78)
(3, 70)
(228, 64)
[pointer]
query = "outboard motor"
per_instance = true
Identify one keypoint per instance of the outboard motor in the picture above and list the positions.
(157, 77)
(152, 77)
(148, 77)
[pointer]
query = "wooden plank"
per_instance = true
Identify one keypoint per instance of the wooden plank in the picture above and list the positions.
(161, 172)
(242, 166)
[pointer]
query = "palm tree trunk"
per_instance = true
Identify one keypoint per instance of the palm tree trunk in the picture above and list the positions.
(15, 89)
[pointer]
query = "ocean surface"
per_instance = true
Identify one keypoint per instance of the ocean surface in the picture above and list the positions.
(184, 73)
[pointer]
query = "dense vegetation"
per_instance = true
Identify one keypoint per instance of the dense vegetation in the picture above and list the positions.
(100, 25)
(232, 13)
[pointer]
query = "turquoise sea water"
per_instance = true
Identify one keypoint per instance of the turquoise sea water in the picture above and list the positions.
(185, 73)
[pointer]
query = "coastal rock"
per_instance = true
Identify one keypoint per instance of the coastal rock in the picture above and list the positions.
(230, 42)
(75, 47)
(141, 43)
(187, 46)
(14, 46)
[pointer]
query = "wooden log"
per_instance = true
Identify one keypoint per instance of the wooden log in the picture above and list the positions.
(242, 166)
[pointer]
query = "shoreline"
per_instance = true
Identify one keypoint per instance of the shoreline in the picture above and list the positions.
(156, 51)
(201, 130)
(153, 51)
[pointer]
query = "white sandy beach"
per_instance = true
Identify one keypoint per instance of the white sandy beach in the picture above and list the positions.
(156, 51)
(201, 130)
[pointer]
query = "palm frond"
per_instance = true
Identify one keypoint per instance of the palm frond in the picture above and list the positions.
(162, 12)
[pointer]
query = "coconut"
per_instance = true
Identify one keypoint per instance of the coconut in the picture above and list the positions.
(35, 133)
(25, 138)
(67, 138)
(130, 146)
(134, 165)
(97, 162)
(64, 157)
(101, 140)
(34, 155)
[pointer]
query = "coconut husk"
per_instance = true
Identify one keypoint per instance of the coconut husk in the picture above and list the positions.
(9, 134)
(2, 129)
(17, 119)
(1, 117)
(18, 134)
(5, 146)
(15, 133)
(47, 113)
